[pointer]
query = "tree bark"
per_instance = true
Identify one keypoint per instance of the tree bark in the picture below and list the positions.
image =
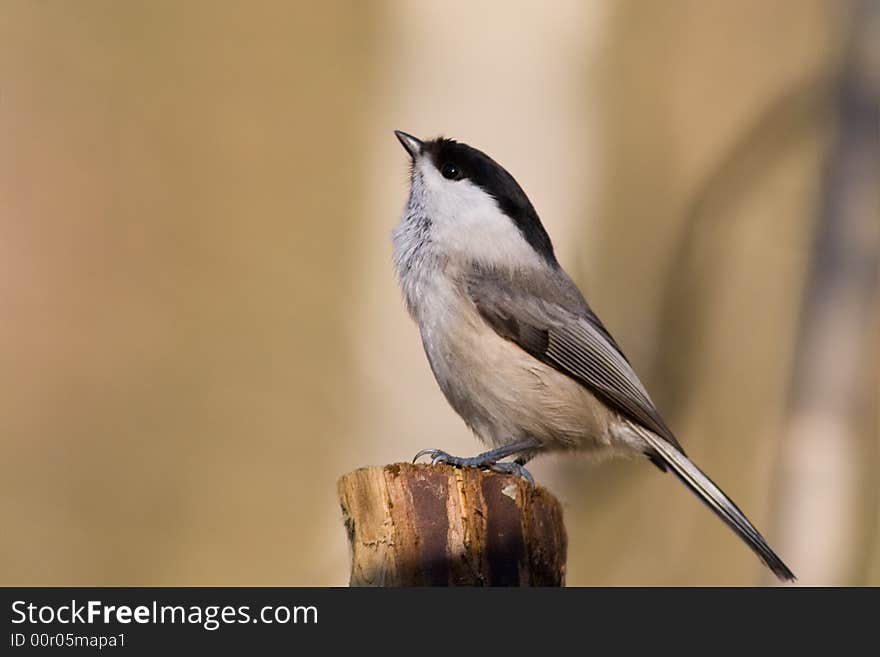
(423, 525)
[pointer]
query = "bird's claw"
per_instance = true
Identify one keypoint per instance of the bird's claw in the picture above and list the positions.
(514, 468)
(438, 456)
(434, 454)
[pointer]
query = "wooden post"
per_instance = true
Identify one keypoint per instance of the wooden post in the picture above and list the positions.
(424, 525)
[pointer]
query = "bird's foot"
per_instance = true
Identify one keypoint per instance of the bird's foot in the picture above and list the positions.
(485, 461)
(439, 456)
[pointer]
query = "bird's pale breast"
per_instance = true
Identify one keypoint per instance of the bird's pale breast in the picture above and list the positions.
(503, 393)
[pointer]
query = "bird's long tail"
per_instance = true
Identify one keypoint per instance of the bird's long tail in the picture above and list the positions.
(715, 499)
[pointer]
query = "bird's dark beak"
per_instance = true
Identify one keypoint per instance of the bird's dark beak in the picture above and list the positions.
(412, 144)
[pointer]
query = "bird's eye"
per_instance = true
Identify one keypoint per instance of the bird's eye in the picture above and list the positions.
(450, 171)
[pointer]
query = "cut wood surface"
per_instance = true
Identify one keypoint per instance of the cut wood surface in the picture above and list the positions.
(435, 525)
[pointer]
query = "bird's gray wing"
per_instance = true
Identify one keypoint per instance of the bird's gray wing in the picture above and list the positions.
(548, 318)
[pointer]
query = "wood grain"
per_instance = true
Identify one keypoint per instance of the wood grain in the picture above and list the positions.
(424, 525)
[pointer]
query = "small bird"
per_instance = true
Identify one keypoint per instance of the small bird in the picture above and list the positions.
(512, 342)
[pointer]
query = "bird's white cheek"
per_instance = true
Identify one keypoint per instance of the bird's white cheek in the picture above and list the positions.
(467, 222)
(486, 237)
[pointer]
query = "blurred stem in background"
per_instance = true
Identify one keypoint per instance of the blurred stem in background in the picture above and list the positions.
(777, 130)
(823, 478)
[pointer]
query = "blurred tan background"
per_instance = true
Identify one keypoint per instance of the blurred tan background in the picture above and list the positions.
(201, 329)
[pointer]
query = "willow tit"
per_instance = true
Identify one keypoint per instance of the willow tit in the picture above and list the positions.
(514, 346)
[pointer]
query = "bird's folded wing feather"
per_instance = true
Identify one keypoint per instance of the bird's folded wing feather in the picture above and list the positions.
(551, 321)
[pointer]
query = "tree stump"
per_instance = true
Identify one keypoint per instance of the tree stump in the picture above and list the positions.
(435, 525)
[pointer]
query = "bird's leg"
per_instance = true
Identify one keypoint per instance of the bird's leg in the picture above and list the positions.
(488, 460)
(526, 456)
